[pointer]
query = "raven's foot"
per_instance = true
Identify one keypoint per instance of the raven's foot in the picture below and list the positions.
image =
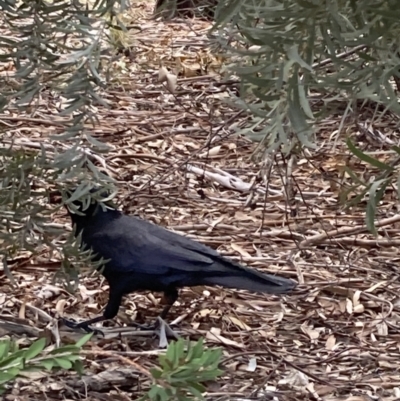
(83, 326)
(164, 331)
(161, 328)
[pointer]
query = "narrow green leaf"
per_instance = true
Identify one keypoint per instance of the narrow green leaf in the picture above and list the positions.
(370, 217)
(206, 375)
(354, 177)
(28, 97)
(74, 106)
(83, 340)
(35, 349)
(170, 354)
(371, 206)
(65, 136)
(307, 4)
(93, 141)
(193, 390)
(154, 392)
(5, 377)
(68, 348)
(78, 367)
(296, 114)
(47, 364)
(156, 373)
(226, 12)
(163, 361)
(189, 351)
(179, 351)
(4, 348)
(355, 200)
(305, 105)
(63, 363)
(83, 189)
(293, 54)
(164, 395)
(376, 193)
(213, 356)
(181, 374)
(15, 359)
(366, 158)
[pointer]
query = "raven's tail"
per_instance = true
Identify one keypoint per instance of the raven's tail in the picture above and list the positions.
(251, 280)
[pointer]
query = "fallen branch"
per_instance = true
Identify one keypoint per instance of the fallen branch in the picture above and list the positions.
(345, 231)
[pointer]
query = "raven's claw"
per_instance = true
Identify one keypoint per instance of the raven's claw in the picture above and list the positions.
(165, 329)
(161, 328)
(84, 326)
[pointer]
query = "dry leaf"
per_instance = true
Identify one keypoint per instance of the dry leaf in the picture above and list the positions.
(313, 334)
(356, 297)
(162, 74)
(335, 289)
(214, 335)
(3, 298)
(214, 151)
(236, 322)
(240, 250)
(85, 293)
(295, 378)
(342, 305)
(359, 308)
(349, 306)
(172, 81)
(382, 328)
(48, 291)
(60, 306)
(155, 144)
(385, 364)
(252, 366)
(375, 286)
(330, 343)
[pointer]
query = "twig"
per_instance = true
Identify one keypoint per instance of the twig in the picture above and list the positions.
(346, 230)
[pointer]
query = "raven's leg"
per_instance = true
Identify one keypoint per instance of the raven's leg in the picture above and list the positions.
(85, 325)
(160, 327)
(170, 296)
(111, 310)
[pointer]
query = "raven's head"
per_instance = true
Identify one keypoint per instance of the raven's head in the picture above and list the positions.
(84, 200)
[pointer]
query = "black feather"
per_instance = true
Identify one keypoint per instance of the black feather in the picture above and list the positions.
(144, 256)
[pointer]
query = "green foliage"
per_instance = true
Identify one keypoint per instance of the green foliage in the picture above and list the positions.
(183, 369)
(292, 55)
(372, 191)
(16, 362)
(55, 48)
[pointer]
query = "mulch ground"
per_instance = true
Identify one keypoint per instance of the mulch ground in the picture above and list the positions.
(179, 164)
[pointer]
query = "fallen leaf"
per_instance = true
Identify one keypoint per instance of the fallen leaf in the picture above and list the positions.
(240, 250)
(214, 335)
(330, 342)
(349, 306)
(236, 322)
(313, 334)
(295, 378)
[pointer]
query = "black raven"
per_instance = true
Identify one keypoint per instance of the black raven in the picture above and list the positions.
(144, 256)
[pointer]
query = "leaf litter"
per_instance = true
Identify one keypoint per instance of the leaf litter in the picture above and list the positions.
(179, 164)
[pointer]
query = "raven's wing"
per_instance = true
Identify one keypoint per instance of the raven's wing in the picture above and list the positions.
(131, 241)
(139, 247)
